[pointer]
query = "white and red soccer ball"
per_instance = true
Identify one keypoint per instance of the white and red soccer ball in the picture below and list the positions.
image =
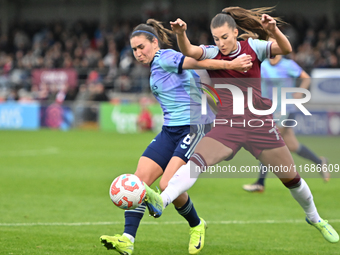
(127, 191)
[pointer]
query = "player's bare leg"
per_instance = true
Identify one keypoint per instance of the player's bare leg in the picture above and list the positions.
(212, 150)
(208, 152)
(295, 146)
(148, 171)
(298, 187)
(185, 207)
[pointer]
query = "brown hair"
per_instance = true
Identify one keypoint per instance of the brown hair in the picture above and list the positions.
(247, 20)
(151, 29)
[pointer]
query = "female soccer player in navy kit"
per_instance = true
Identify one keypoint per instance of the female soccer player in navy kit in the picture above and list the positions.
(177, 91)
(224, 140)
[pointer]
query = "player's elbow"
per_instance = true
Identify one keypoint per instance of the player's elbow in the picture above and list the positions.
(287, 50)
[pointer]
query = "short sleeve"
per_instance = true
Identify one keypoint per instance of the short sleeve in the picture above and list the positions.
(261, 48)
(171, 61)
(294, 70)
(209, 51)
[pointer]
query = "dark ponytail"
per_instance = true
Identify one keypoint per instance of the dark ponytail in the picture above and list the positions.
(247, 20)
(151, 29)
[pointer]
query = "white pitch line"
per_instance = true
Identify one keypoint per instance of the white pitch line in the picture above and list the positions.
(154, 223)
(25, 153)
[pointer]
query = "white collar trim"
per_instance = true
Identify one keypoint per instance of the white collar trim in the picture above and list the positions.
(235, 52)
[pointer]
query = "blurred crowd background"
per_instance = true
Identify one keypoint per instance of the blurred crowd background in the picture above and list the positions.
(103, 62)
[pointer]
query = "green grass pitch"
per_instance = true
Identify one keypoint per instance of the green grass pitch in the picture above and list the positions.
(54, 199)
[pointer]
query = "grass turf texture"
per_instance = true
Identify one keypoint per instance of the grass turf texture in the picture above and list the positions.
(57, 184)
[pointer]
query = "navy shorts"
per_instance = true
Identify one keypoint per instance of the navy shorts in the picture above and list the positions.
(177, 141)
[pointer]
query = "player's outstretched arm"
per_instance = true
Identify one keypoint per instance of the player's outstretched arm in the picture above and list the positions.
(239, 64)
(179, 27)
(305, 83)
(281, 46)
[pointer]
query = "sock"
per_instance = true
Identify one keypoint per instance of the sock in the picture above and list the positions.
(132, 220)
(263, 174)
(183, 179)
(304, 197)
(131, 238)
(306, 153)
(188, 211)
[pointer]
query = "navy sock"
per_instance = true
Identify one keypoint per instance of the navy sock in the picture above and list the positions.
(263, 174)
(304, 152)
(132, 219)
(189, 213)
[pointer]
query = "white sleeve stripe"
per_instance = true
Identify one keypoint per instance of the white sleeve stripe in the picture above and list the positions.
(209, 52)
(268, 49)
(204, 52)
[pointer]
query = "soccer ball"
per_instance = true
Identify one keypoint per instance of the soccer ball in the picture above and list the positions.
(127, 191)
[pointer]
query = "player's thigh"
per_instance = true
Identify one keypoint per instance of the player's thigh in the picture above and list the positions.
(186, 144)
(280, 161)
(148, 170)
(212, 150)
(155, 158)
(290, 139)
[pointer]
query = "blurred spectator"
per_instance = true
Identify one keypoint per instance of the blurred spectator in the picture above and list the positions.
(144, 121)
(13, 95)
(88, 46)
(139, 77)
(123, 83)
(98, 93)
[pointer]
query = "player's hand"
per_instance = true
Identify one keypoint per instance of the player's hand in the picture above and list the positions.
(178, 26)
(268, 22)
(242, 63)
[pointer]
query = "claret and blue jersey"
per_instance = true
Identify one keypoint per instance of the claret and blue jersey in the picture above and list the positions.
(259, 50)
(177, 90)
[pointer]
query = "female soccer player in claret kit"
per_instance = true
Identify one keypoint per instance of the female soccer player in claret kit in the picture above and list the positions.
(178, 92)
(223, 141)
(277, 73)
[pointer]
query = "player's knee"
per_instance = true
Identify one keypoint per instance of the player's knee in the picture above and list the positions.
(175, 181)
(199, 160)
(293, 183)
(148, 179)
(292, 147)
(163, 184)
